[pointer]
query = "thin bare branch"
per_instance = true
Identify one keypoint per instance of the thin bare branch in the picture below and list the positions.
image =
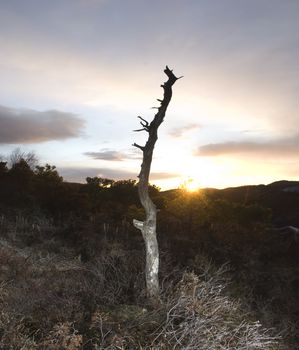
(143, 121)
(138, 146)
(143, 129)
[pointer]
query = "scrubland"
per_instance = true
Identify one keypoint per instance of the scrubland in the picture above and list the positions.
(71, 269)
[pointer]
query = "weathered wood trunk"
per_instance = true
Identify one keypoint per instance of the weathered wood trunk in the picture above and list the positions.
(148, 227)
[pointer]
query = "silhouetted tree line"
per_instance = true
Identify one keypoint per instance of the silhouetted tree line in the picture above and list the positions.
(25, 186)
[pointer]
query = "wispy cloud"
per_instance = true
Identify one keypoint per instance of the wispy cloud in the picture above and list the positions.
(279, 147)
(164, 176)
(79, 174)
(23, 126)
(106, 154)
(180, 131)
(111, 155)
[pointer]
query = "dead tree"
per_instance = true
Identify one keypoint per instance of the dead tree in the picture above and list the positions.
(148, 227)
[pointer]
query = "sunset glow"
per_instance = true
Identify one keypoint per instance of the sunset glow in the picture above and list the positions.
(190, 185)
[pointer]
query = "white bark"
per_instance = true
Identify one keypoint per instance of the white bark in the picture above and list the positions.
(148, 227)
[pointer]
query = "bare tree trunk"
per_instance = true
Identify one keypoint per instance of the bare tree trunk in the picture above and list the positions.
(148, 227)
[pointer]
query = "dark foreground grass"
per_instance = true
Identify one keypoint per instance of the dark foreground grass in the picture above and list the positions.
(53, 298)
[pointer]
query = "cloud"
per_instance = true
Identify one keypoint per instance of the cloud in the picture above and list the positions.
(79, 174)
(180, 131)
(279, 147)
(30, 126)
(163, 176)
(109, 154)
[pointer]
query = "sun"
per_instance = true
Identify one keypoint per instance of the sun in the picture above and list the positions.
(189, 184)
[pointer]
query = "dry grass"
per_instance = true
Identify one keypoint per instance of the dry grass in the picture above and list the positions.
(196, 314)
(52, 300)
(201, 316)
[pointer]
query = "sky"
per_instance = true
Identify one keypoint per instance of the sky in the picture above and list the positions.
(75, 74)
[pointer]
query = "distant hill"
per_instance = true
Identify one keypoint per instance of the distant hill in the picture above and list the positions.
(281, 196)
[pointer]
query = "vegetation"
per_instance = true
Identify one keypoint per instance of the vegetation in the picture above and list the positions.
(71, 266)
